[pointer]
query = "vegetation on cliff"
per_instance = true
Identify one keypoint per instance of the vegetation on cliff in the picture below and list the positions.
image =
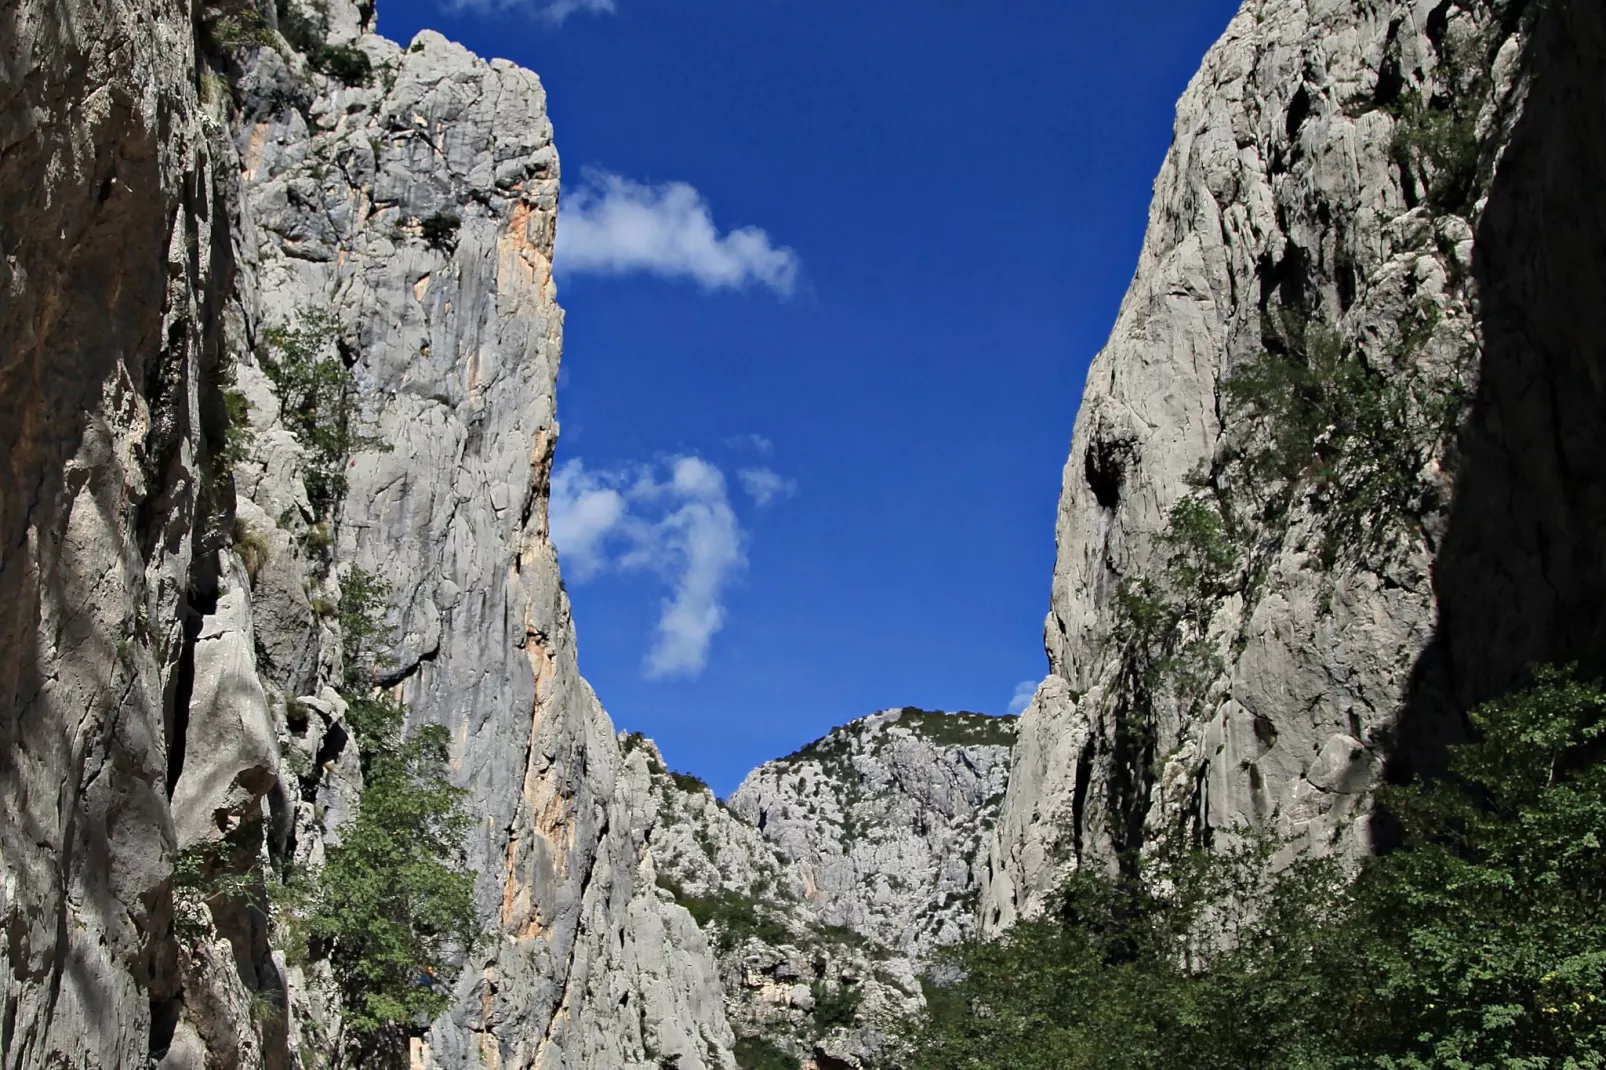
(1476, 942)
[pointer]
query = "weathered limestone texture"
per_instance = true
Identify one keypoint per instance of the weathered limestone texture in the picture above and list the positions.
(1303, 180)
(114, 255)
(831, 875)
(177, 184)
(416, 208)
(884, 820)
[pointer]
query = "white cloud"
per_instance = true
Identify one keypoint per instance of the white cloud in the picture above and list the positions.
(757, 443)
(558, 10)
(681, 528)
(1022, 697)
(553, 11)
(584, 511)
(765, 486)
(613, 226)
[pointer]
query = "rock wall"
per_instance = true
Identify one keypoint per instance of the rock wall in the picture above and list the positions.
(179, 184)
(115, 253)
(884, 820)
(1402, 174)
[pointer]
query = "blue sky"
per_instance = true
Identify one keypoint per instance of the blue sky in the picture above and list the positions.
(833, 275)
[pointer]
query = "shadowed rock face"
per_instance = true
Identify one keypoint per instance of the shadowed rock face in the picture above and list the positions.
(112, 262)
(1519, 577)
(1294, 183)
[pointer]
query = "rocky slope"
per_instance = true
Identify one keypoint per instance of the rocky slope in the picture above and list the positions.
(1335, 474)
(884, 820)
(832, 874)
(191, 195)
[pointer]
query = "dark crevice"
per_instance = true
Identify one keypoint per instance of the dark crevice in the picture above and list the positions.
(1298, 112)
(1104, 465)
(1390, 78)
(183, 687)
(1084, 776)
(165, 1015)
(393, 676)
(330, 748)
(1284, 278)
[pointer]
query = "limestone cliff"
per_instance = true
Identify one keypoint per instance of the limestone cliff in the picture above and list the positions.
(832, 875)
(184, 190)
(1388, 202)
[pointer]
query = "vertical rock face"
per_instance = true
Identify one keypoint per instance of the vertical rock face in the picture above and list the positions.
(416, 210)
(1394, 178)
(113, 256)
(174, 547)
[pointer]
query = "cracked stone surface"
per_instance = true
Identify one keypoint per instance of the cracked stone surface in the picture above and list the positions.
(454, 340)
(1284, 187)
(836, 870)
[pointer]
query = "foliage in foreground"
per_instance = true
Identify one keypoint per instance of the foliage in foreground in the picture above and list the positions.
(392, 909)
(1480, 942)
(386, 910)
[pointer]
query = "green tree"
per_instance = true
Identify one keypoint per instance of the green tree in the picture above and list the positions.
(1477, 943)
(318, 401)
(1481, 942)
(392, 908)
(389, 910)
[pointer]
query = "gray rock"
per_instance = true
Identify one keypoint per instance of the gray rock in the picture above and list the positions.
(112, 258)
(418, 210)
(231, 752)
(835, 872)
(884, 820)
(1283, 188)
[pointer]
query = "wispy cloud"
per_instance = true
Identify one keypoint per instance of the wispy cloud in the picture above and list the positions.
(613, 226)
(553, 11)
(1022, 697)
(681, 527)
(755, 442)
(765, 486)
(558, 10)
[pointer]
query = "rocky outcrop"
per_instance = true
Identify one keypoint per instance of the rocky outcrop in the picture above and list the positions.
(833, 874)
(412, 210)
(1347, 181)
(884, 820)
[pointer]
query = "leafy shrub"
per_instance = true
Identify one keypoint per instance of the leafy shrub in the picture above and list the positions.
(1442, 142)
(205, 874)
(318, 402)
(960, 729)
(364, 598)
(688, 783)
(1357, 436)
(244, 29)
(308, 35)
(348, 64)
(1476, 943)
(440, 229)
(252, 547)
(835, 1006)
(757, 1053)
(239, 437)
(731, 918)
(392, 908)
